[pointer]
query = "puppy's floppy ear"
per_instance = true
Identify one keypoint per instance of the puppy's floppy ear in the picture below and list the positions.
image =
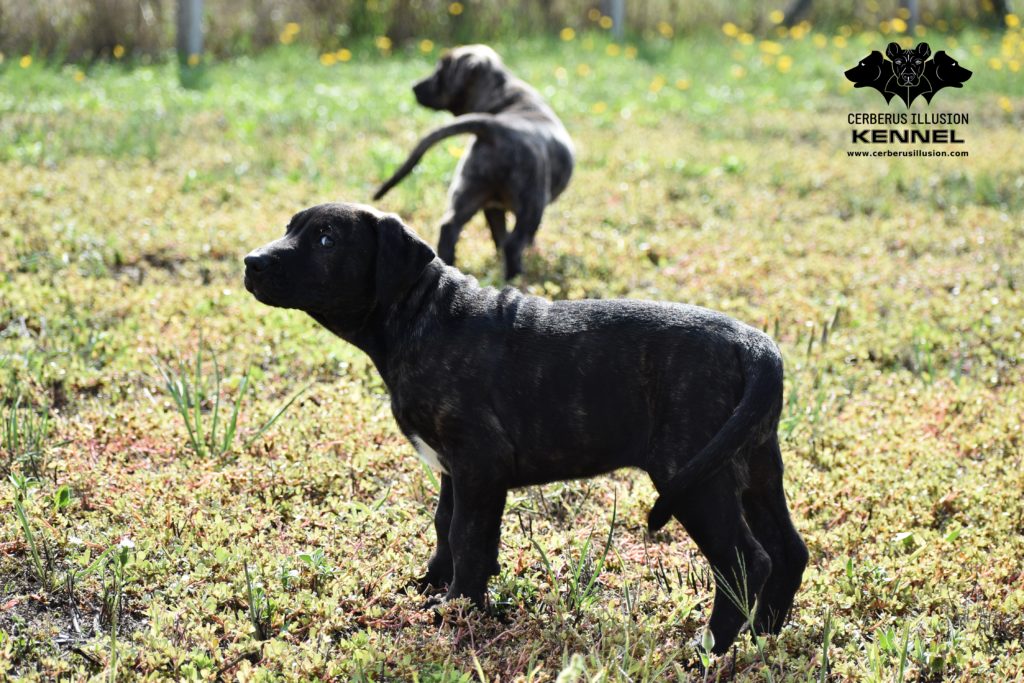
(401, 257)
(893, 50)
(923, 50)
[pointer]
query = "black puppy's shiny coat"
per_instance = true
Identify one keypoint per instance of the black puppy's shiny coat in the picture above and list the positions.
(520, 161)
(502, 390)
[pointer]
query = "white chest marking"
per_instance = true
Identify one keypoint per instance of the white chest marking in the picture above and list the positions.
(428, 455)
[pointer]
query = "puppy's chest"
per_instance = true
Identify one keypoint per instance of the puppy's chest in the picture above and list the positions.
(428, 454)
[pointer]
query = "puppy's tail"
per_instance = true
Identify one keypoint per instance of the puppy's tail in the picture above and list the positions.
(477, 124)
(752, 422)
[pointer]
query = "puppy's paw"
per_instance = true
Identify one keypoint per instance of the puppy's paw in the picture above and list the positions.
(429, 583)
(432, 603)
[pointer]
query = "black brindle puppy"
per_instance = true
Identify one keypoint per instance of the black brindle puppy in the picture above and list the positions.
(500, 390)
(521, 160)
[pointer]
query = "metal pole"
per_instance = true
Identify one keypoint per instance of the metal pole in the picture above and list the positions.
(913, 16)
(795, 11)
(190, 30)
(618, 14)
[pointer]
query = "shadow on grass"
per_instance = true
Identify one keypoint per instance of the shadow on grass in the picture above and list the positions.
(193, 77)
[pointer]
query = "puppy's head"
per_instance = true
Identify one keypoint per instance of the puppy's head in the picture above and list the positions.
(337, 262)
(948, 71)
(867, 71)
(908, 65)
(467, 79)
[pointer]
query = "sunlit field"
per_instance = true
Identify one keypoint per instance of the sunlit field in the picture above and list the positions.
(201, 486)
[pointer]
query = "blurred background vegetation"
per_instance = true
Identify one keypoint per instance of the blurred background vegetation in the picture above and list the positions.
(85, 30)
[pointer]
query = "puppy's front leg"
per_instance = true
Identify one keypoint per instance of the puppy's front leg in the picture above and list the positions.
(474, 536)
(440, 568)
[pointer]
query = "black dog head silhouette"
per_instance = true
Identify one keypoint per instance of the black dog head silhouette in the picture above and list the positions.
(945, 72)
(910, 73)
(871, 72)
(908, 65)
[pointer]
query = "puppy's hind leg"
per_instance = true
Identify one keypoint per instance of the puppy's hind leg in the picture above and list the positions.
(713, 516)
(499, 230)
(527, 223)
(463, 203)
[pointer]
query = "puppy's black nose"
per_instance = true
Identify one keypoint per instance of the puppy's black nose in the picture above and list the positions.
(420, 90)
(257, 261)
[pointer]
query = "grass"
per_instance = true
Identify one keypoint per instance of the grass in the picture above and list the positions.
(189, 387)
(709, 172)
(24, 439)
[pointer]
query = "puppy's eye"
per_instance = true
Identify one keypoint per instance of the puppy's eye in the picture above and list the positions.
(326, 241)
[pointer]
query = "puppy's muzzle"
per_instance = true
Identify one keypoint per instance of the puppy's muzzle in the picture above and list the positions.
(257, 263)
(425, 93)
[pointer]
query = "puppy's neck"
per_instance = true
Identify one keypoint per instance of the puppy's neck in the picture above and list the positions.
(503, 95)
(393, 330)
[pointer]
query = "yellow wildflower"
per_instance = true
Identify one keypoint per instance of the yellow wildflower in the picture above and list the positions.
(288, 33)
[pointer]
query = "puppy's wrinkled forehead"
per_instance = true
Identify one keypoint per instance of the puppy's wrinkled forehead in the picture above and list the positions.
(334, 215)
(476, 55)
(479, 51)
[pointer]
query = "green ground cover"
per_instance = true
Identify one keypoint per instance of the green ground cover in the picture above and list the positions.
(711, 171)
